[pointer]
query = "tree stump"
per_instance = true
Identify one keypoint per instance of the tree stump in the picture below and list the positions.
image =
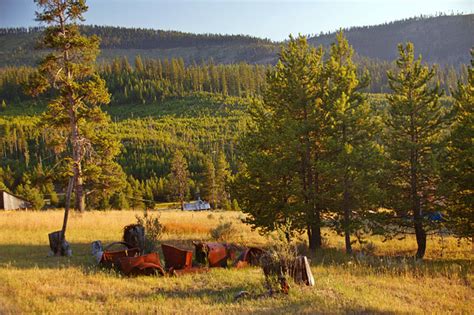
(134, 235)
(301, 271)
(57, 247)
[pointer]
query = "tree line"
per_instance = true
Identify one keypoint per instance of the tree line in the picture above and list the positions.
(153, 80)
(318, 155)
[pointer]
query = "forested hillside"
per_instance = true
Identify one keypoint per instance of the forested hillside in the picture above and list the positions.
(17, 45)
(441, 39)
(194, 105)
(202, 127)
(444, 39)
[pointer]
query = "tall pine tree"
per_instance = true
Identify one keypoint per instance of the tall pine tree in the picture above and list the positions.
(280, 187)
(222, 179)
(209, 188)
(179, 177)
(414, 129)
(69, 68)
(458, 172)
(351, 154)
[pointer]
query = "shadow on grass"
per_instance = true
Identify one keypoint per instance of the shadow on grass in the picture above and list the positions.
(362, 264)
(36, 256)
(307, 307)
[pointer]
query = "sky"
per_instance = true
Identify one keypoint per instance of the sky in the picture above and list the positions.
(273, 19)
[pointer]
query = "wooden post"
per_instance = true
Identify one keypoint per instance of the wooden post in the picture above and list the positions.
(301, 271)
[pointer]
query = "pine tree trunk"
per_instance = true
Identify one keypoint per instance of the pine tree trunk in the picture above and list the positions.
(62, 237)
(79, 201)
(416, 206)
(314, 233)
(418, 221)
(77, 147)
(346, 206)
(347, 229)
(420, 239)
(314, 227)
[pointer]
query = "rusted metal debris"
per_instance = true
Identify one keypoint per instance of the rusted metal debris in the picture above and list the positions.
(249, 257)
(208, 255)
(110, 259)
(214, 254)
(219, 254)
(128, 261)
(176, 258)
(142, 265)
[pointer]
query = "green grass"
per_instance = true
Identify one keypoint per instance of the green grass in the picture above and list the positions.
(34, 283)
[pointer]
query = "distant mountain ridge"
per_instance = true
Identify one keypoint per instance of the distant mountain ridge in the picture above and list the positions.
(444, 39)
(441, 39)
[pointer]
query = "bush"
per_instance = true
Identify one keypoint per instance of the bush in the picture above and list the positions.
(235, 205)
(276, 263)
(153, 230)
(32, 194)
(368, 248)
(223, 231)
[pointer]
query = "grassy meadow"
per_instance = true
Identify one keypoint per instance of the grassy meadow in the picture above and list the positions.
(32, 282)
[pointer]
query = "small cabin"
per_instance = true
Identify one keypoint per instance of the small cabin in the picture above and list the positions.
(197, 205)
(9, 201)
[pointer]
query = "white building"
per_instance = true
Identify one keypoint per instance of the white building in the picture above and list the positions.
(197, 205)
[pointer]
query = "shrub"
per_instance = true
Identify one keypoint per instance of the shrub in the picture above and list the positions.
(368, 248)
(153, 230)
(276, 263)
(223, 231)
(235, 205)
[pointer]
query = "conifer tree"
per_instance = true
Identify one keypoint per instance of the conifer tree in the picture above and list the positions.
(32, 194)
(414, 128)
(179, 177)
(458, 170)
(209, 188)
(350, 155)
(69, 69)
(280, 185)
(222, 178)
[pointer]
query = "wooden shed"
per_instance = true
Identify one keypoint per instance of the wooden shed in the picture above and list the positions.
(9, 201)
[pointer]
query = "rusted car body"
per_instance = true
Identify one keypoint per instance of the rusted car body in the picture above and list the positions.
(141, 265)
(219, 254)
(249, 257)
(176, 258)
(214, 254)
(110, 259)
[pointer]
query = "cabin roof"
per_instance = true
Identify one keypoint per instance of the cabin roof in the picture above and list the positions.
(16, 196)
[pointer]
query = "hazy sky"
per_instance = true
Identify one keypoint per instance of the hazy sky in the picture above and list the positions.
(274, 19)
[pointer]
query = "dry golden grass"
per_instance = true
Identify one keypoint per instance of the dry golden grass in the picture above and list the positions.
(31, 282)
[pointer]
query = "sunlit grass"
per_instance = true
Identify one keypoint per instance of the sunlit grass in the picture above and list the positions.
(31, 282)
